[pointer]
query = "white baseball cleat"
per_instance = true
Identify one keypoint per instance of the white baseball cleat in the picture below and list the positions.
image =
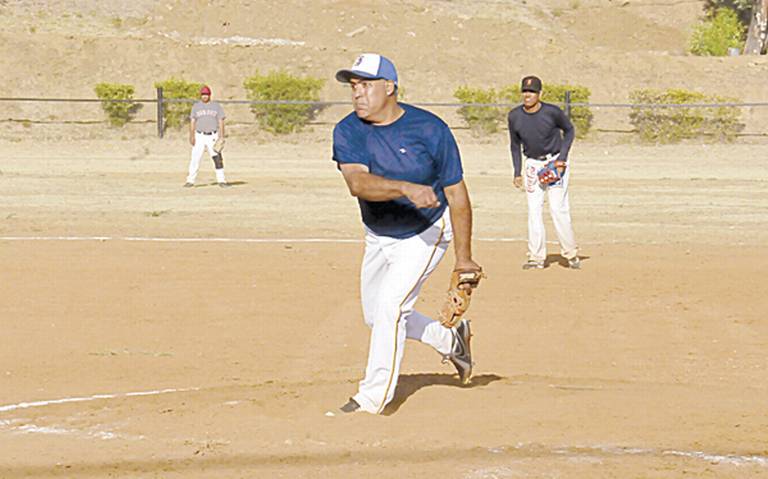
(574, 263)
(533, 264)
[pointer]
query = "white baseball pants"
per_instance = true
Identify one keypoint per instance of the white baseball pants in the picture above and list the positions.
(203, 142)
(559, 209)
(393, 272)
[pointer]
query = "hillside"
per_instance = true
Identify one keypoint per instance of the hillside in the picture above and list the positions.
(63, 47)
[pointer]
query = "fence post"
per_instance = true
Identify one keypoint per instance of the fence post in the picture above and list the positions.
(568, 104)
(160, 112)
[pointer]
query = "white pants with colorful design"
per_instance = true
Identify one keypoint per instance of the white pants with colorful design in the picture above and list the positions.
(393, 272)
(559, 209)
(203, 142)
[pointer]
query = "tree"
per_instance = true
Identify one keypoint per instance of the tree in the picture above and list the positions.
(757, 35)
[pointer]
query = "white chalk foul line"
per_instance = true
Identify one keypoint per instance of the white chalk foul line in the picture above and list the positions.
(500, 239)
(604, 450)
(218, 240)
(179, 240)
(95, 397)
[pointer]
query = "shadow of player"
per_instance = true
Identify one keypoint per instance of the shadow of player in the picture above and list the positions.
(559, 260)
(408, 384)
(230, 183)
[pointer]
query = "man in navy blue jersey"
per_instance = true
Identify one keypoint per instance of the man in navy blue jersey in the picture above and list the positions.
(546, 135)
(403, 165)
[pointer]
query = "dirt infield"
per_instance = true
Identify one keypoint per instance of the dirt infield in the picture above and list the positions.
(155, 331)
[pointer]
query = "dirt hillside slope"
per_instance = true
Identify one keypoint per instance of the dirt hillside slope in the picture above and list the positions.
(64, 47)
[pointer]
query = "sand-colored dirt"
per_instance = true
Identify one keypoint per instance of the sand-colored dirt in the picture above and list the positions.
(650, 362)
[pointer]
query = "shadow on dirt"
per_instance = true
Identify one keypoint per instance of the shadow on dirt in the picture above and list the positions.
(408, 384)
(559, 260)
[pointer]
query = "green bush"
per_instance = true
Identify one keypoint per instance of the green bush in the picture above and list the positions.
(118, 113)
(581, 116)
(743, 8)
(673, 124)
(480, 119)
(176, 114)
(281, 85)
(716, 34)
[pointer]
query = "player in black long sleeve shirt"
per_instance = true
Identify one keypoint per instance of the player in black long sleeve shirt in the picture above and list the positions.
(539, 133)
(545, 134)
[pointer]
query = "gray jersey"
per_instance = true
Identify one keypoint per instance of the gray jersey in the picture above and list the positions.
(207, 116)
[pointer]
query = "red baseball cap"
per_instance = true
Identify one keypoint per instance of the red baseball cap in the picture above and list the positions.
(205, 90)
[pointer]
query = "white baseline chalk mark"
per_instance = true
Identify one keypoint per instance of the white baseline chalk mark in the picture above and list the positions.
(225, 240)
(95, 397)
(280, 240)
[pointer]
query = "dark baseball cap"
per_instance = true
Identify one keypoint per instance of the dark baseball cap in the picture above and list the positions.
(531, 83)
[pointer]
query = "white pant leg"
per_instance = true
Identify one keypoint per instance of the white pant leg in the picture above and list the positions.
(560, 210)
(396, 286)
(210, 140)
(202, 143)
(197, 153)
(220, 178)
(537, 236)
(418, 326)
(424, 329)
(372, 271)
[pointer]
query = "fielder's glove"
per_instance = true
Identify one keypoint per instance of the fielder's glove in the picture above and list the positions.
(550, 174)
(459, 295)
(219, 145)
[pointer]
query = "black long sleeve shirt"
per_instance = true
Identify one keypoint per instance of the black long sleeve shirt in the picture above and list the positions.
(539, 133)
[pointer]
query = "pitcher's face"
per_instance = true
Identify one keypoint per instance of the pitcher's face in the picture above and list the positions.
(369, 97)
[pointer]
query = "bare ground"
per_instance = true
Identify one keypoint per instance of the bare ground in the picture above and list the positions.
(650, 362)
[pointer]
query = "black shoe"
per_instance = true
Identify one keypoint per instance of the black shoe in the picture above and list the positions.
(351, 406)
(461, 354)
(188, 185)
(224, 184)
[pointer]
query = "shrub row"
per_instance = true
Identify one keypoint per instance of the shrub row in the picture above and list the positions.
(487, 119)
(280, 85)
(659, 125)
(670, 124)
(279, 119)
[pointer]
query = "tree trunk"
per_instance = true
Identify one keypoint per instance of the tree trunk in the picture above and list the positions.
(757, 35)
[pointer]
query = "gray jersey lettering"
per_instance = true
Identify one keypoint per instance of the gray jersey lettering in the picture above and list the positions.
(206, 116)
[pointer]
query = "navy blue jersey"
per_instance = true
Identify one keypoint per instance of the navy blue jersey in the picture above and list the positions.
(418, 148)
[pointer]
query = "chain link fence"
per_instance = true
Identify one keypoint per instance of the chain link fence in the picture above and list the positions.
(23, 115)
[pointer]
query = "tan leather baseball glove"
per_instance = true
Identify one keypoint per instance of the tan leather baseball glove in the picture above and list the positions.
(219, 145)
(459, 295)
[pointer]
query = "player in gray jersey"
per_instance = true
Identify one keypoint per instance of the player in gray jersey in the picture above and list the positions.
(206, 130)
(546, 135)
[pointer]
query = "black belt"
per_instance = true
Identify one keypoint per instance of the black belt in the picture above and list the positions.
(206, 132)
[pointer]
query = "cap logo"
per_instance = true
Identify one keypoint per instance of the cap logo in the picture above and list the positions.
(528, 81)
(369, 65)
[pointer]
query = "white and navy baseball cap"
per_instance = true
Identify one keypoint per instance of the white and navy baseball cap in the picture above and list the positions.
(370, 66)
